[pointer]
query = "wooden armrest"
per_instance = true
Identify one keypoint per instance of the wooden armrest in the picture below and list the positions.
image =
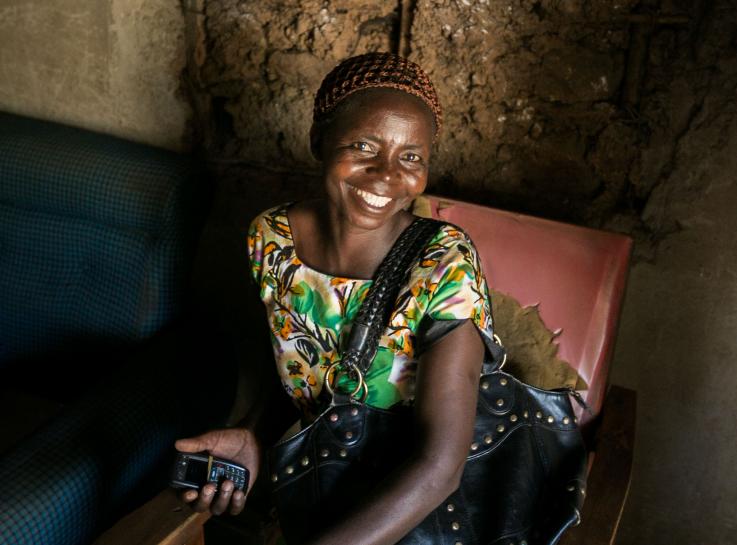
(609, 479)
(164, 520)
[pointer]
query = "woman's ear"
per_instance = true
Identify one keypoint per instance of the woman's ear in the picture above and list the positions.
(315, 142)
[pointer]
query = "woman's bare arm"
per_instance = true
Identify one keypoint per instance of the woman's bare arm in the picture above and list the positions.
(445, 409)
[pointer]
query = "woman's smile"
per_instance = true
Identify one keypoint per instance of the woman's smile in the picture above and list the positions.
(372, 199)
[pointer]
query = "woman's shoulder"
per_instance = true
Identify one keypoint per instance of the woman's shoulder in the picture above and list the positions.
(451, 243)
(272, 223)
(269, 232)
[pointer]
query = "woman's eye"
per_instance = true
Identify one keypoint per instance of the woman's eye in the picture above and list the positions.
(411, 157)
(361, 146)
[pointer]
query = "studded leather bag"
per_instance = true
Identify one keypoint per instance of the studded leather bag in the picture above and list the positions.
(524, 478)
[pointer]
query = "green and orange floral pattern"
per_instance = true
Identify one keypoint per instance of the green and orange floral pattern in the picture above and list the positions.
(310, 312)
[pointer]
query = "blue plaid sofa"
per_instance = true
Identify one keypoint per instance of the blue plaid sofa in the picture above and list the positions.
(97, 241)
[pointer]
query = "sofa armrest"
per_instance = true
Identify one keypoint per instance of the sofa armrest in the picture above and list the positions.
(610, 474)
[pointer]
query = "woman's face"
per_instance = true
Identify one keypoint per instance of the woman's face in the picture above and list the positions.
(376, 155)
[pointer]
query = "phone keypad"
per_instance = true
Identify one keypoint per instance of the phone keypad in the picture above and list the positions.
(221, 472)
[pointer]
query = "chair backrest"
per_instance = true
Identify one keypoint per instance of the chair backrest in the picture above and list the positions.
(574, 275)
(94, 238)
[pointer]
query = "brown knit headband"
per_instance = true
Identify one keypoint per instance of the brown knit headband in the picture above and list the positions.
(375, 70)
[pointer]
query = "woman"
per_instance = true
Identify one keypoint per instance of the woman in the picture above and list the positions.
(375, 121)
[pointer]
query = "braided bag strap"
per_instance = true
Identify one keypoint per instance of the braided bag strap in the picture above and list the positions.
(378, 305)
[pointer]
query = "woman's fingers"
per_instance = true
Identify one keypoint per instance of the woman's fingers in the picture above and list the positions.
(204, 499)
(217, 502)
(237, 502)
(188, 496)
(192, 444)
(222, 500)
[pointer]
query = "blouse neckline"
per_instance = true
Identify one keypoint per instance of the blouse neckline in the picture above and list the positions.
(284, 212)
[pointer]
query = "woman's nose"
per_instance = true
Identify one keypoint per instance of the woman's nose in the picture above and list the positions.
(381, 166)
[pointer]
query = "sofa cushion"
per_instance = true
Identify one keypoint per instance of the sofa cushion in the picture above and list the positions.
(63, 280)
(75, 173)
(95, 238)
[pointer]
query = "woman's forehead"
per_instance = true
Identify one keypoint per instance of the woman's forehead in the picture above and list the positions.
(368, 105)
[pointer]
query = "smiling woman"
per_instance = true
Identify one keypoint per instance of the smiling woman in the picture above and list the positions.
(375, 157)
(376, 118)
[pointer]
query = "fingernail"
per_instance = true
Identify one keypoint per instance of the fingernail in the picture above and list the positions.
(207, 491)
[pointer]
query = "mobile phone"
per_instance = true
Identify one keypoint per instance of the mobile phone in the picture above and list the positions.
(196, 470)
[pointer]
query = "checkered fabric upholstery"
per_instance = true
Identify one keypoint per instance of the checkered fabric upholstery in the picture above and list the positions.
(91, 238)
(96, 240)
(108, 452)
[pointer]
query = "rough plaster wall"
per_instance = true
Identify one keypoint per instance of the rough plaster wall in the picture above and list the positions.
(530, 91)
(265, 60)
(548, 109)
(677, 348)
(677, 343)
(110, 65)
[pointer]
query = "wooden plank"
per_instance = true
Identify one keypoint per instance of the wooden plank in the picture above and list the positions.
(164, 520)
(609, 478)
(406, 15)
(200, 540)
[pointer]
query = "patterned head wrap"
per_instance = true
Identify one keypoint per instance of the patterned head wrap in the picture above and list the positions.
(375, 70)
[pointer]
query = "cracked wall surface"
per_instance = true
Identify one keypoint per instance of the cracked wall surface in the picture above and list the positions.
(531, 90)
(566, 109)
(263, 63)
(112, 66)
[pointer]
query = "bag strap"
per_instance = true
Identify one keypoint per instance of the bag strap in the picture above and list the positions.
(376, 308)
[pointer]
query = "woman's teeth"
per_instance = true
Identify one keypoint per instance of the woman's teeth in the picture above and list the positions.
(371, 198)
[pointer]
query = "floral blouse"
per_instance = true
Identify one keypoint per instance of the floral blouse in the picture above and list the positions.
(310, 312)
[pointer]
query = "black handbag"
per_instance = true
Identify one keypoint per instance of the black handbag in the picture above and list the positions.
(524, 479)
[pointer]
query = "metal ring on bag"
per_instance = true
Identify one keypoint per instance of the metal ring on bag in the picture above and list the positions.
(361, 383)
(578, 518)
(364, 395)
(499, 342)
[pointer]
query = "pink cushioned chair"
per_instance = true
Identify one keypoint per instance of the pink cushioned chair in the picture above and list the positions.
(576, 277)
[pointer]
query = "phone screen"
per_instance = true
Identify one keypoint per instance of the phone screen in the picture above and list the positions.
(196, 471)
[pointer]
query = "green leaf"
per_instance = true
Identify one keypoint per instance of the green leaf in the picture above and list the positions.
(321, 312)
(355, 300)
(381, 392)
(303, 298)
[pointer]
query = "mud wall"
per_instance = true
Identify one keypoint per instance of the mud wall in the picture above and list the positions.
(545, 100)
(257, 64)
(531, 92)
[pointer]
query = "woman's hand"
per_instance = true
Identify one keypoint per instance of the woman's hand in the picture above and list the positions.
(237, 444)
